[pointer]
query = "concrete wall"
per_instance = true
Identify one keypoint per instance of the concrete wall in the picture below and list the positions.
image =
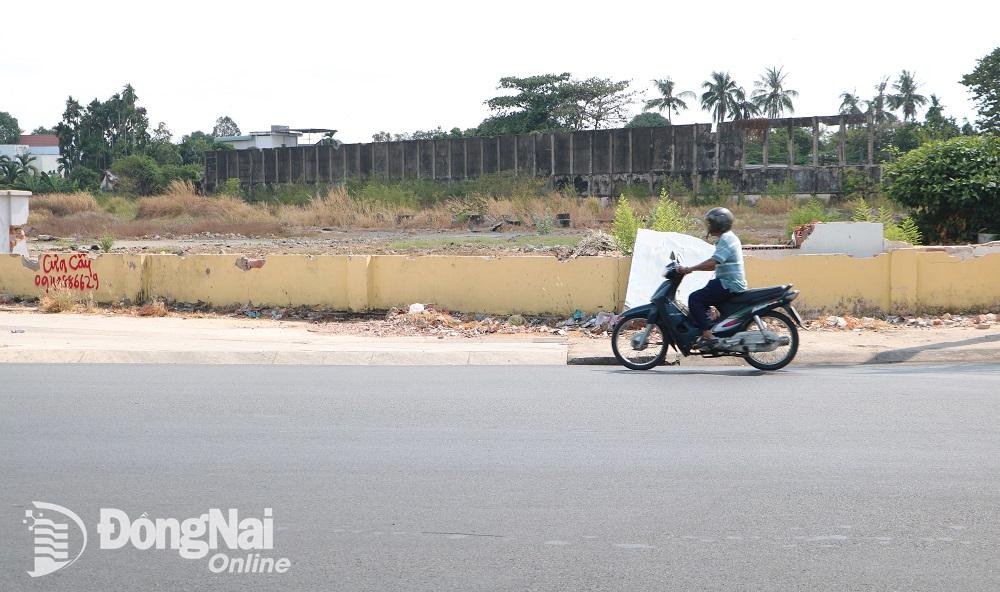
(899, 281)
(601, 162)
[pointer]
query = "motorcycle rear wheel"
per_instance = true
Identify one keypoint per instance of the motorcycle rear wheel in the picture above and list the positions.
(621, 344)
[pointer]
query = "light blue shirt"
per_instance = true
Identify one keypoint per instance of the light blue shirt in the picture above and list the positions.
(729, 257)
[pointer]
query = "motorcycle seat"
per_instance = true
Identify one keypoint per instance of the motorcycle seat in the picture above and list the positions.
(759, 294)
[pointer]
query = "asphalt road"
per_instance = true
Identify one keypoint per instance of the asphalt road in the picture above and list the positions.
(499, 478)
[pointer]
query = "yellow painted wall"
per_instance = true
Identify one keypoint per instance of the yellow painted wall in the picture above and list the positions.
(500, 284)
(117, 276)
(827, 282)
(947, 282)
(284, 280)
(904, 280)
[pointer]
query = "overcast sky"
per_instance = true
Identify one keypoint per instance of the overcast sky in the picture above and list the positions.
(362, 67)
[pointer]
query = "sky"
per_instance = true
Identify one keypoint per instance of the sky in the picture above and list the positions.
(365, 67)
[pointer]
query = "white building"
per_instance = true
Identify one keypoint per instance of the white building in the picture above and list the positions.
(45, 149)
(279, 137)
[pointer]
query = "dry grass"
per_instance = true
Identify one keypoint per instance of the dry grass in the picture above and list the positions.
(64, 204)
(156, 308)
(180, 211)
(775, 205)
(180, 200)
(63, 300)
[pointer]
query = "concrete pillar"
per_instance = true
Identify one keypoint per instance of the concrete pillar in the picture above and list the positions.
(791, 146)
(815, 148)
(552, 155)
(449, 160)
(13, 215)
(695, 172)
(766, 146)
(718, 152)
(842, 143)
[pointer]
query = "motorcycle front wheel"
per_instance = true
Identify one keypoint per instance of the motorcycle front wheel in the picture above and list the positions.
(638, 359)
(779, 358)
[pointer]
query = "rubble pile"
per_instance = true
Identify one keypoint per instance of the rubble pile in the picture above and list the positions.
(427, 321)
(849, 323)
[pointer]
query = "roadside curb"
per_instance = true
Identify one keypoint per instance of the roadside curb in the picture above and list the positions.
(900, 356)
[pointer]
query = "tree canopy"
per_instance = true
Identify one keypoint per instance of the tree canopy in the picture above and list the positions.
(9, 129)
(984, 84)
(225, 126)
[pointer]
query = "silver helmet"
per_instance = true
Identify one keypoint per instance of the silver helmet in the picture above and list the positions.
(719, 220)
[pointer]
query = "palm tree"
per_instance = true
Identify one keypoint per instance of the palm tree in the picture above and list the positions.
(719, 97)
(850, 103)
(743, 108)
(771, 96)
(24, 162)
(876, 107)
(667, 100)
(906, 97)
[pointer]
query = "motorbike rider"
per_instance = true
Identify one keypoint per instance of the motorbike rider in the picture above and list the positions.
(730, 279)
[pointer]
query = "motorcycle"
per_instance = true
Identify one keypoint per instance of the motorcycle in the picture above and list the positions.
(749, 326)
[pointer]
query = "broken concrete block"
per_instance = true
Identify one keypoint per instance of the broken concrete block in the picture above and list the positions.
(247, 264)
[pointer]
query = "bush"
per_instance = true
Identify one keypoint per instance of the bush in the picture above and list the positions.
(812, 211)
(669, 216)
(182, 172)
(85, 178)
(625, 226)
(121, 207)
(713, 193)
(953, 186)
(231, 188)
(138, 174)
(106, 242)
(784, 190)
(906, 230)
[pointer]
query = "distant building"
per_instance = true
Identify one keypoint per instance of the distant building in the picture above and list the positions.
(279, 137)
(44, 147)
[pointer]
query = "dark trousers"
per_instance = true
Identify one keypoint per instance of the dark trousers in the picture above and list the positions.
(713, 294)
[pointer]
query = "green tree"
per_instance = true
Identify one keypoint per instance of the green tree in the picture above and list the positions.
(648, 120)
(533, 106)
(936, 125)
(98, 134)
(161, 149)
(595, 103)
(17, 169)
(743, 108)
(668, 101)
(906, 96)
(953, 186)
(225, 126)
(720, 95)
(770, 95)
(44, 131)
(850, 103)
(329, 140)
(9, 129)
(878, 107)
(194, 145)
(138, 174)
(984, 84)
